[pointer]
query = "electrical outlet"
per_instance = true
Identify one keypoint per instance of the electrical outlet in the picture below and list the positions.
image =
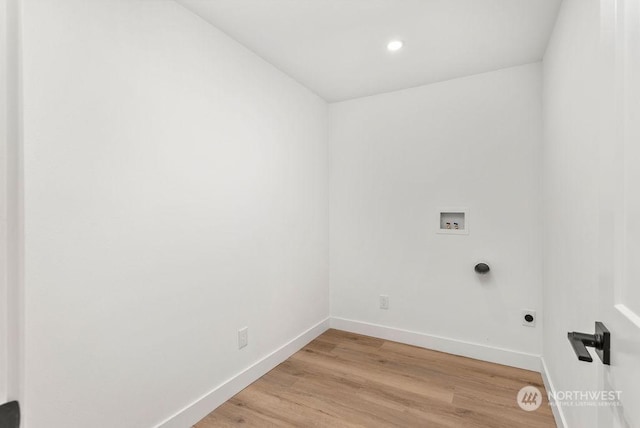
(528, 318)
(384, 301)
(243, 337)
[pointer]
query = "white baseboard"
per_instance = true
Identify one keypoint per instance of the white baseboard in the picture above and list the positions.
(491, 354)
(197, 410)
(208, 402)
(558, 414)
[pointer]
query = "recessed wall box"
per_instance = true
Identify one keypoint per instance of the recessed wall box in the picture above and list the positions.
(453, 221)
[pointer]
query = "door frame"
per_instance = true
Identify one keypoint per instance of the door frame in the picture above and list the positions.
(11, 204)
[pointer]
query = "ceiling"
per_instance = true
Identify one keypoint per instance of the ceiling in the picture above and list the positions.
(337, 48)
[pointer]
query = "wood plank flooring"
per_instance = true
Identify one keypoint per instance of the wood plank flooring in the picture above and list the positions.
(347, 380)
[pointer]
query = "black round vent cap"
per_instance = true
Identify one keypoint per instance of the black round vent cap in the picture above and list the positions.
(482, 268)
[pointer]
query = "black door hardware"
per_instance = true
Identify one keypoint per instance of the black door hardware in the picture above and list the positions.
(481, 268)
(10, 415)
(601, 341)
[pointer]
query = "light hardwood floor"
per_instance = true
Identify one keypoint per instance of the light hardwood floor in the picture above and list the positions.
(348, 380)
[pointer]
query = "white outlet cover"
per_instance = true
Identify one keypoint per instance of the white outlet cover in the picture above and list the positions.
(384, 301)
(243, 337)
(526, 312)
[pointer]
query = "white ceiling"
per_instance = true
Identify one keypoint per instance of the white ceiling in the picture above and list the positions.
(337, 48)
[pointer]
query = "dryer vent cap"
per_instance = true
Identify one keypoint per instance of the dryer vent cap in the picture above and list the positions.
(482, 268)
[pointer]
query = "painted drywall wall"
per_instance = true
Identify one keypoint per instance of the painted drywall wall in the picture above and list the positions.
(395, 159)
(571, 197)
(176, 190)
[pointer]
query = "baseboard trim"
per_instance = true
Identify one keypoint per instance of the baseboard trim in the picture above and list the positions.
(558, 414)
(477, 351)
(211, 400)
(204, 405)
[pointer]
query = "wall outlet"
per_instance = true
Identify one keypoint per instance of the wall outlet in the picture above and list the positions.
(384, 301)
(243, 337)
(528, 318)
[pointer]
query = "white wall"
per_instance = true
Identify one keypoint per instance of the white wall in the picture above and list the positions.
(571, 188)
(176, 189)
(395, 158)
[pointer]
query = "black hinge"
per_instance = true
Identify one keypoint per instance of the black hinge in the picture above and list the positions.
(10, 415)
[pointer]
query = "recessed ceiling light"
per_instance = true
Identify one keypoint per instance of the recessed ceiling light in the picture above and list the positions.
(394, 45)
